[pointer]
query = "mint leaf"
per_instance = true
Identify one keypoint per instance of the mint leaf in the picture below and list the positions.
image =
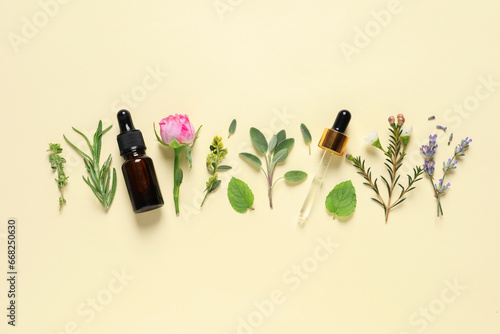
(258, 140)
(232, 128)
(341, 201)
(295, 176)
(240, 196)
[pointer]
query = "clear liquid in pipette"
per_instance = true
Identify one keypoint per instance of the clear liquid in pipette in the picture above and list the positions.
(313, 190)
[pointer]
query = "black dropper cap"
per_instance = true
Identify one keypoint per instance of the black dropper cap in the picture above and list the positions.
(130, 139)
(342, 121)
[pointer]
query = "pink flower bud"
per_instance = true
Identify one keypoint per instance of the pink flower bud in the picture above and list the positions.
(391, 120)
(177, 127)
(401, 119)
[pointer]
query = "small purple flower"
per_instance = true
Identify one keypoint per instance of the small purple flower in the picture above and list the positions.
(464, 145)
(439, 127)
(429, 167)
(447, 166)
(442, 188)
(429, 151)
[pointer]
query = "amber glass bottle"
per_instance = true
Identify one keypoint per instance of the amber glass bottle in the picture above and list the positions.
(138, 169)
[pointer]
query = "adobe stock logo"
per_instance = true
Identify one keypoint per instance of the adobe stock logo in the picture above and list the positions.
(31, 26)
(421, 320)
(363, 37)
(224, 6)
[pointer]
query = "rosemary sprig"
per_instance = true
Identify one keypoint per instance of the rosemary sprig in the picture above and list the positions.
(100, 178)
(395, 153)
(57, 163)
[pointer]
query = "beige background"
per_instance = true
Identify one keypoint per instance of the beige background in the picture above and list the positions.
(272, 65)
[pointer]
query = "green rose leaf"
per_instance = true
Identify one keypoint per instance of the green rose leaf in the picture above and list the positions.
(252, 158)
(295, 176)
(240, 196)
(232, 128)
(258, 140)
(178, 177)
(341, 201)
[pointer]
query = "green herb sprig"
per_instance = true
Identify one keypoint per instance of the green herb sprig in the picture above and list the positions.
(99, 179)
(274, 152)
(217, 153)
(57, 164)
(395, 153)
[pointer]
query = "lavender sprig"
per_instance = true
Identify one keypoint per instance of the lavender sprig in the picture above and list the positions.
(428, 151)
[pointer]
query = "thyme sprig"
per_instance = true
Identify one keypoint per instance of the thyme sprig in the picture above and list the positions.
(99, 179)
(395, 153)
(57, 164)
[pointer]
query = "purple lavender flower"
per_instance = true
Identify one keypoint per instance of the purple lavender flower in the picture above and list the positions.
(449, 165)
(430, 150)
(462, 147)
(442, 188)
(429, 167)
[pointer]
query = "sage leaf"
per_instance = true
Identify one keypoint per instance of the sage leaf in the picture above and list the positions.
(224, 167)
(272, 143)
(280, 136)
(232, 128)
(258, 140)
(295, 176)
(341, 201)
(240, 196)
(280, 156)
(307, 135)
(252, 158)
(282, 149)
(286, 143)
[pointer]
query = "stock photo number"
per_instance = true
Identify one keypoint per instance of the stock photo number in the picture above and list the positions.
(11, 271)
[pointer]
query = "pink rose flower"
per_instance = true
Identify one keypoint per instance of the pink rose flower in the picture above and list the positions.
(177, 127)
